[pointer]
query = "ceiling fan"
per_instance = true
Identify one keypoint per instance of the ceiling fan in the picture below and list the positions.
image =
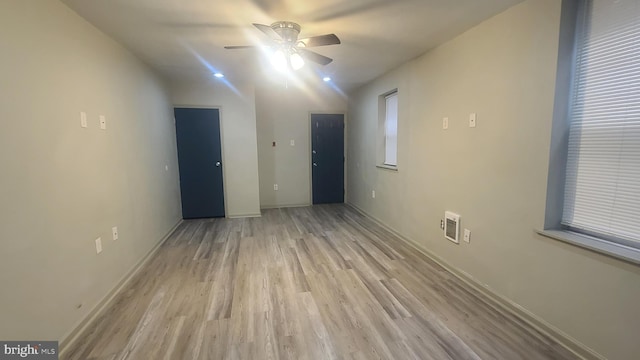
(289, 51)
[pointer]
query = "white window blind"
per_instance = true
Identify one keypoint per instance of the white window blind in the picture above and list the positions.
(391, 130)
(602, 192)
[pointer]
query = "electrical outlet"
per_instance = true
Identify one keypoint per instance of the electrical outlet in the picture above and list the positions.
(373, 194)
(114, 231)
(445, 123)
(98, 245)
(467, 235)
(275, 187)
(441, 224)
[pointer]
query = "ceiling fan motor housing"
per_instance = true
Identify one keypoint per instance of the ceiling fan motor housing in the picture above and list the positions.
(287, 30)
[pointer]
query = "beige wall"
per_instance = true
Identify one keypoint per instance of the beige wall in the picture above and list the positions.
(61, 186)
(283, 114)
(238, 132)
(493, 175)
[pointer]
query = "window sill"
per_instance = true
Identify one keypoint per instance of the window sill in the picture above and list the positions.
(387, 167)
(618, 251)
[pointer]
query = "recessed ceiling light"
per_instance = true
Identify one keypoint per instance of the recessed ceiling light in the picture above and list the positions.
(326, 79)
(218, 75)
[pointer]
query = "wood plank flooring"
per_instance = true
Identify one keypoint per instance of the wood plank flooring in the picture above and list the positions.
(321, 282)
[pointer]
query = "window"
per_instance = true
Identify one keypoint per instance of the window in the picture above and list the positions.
(601, 200)
(391, 129)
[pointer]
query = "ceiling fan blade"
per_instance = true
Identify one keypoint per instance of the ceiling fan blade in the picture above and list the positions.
(322, 40)
(267, 30)
(314, 56)
(240, 47)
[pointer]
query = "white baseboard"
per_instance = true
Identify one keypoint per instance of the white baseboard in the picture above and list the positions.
(73, 336)
(240, 216)
(265, 207)
(496, 300)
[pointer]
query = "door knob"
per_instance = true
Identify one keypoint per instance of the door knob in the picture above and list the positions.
(314, 164)
(314, 151)
(217, 163)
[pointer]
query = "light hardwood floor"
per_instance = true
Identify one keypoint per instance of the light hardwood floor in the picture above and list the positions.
(319, 282)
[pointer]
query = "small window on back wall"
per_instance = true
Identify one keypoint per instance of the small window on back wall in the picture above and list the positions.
(389, 126)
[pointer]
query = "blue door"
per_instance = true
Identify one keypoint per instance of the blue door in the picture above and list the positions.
(200, 161)
(327, 158)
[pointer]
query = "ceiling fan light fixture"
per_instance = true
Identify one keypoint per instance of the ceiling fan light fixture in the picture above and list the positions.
(279, 60)
(289, 52)
(297, 62)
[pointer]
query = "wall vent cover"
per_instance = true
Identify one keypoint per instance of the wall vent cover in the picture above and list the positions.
(452, 226)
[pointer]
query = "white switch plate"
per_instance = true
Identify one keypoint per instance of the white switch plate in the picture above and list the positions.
(103, 122)
(83, 119)
(275, 187)
(166, 168)
(293, 143)
(114, 231)
(373, 194)
(98, 245)
(467, 235)
(445, 123)
(472, 120)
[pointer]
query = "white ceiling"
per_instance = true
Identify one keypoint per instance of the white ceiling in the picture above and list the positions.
(184, 39)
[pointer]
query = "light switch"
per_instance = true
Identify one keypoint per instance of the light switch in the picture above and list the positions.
(114, 231)
(83, 119)
(467, 235)
(445, 123)
(472, 120)
(98, 245)
(103, 122)
(293, 143)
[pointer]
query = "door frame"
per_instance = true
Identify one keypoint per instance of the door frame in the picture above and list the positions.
(224, 160)
(344, 164)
